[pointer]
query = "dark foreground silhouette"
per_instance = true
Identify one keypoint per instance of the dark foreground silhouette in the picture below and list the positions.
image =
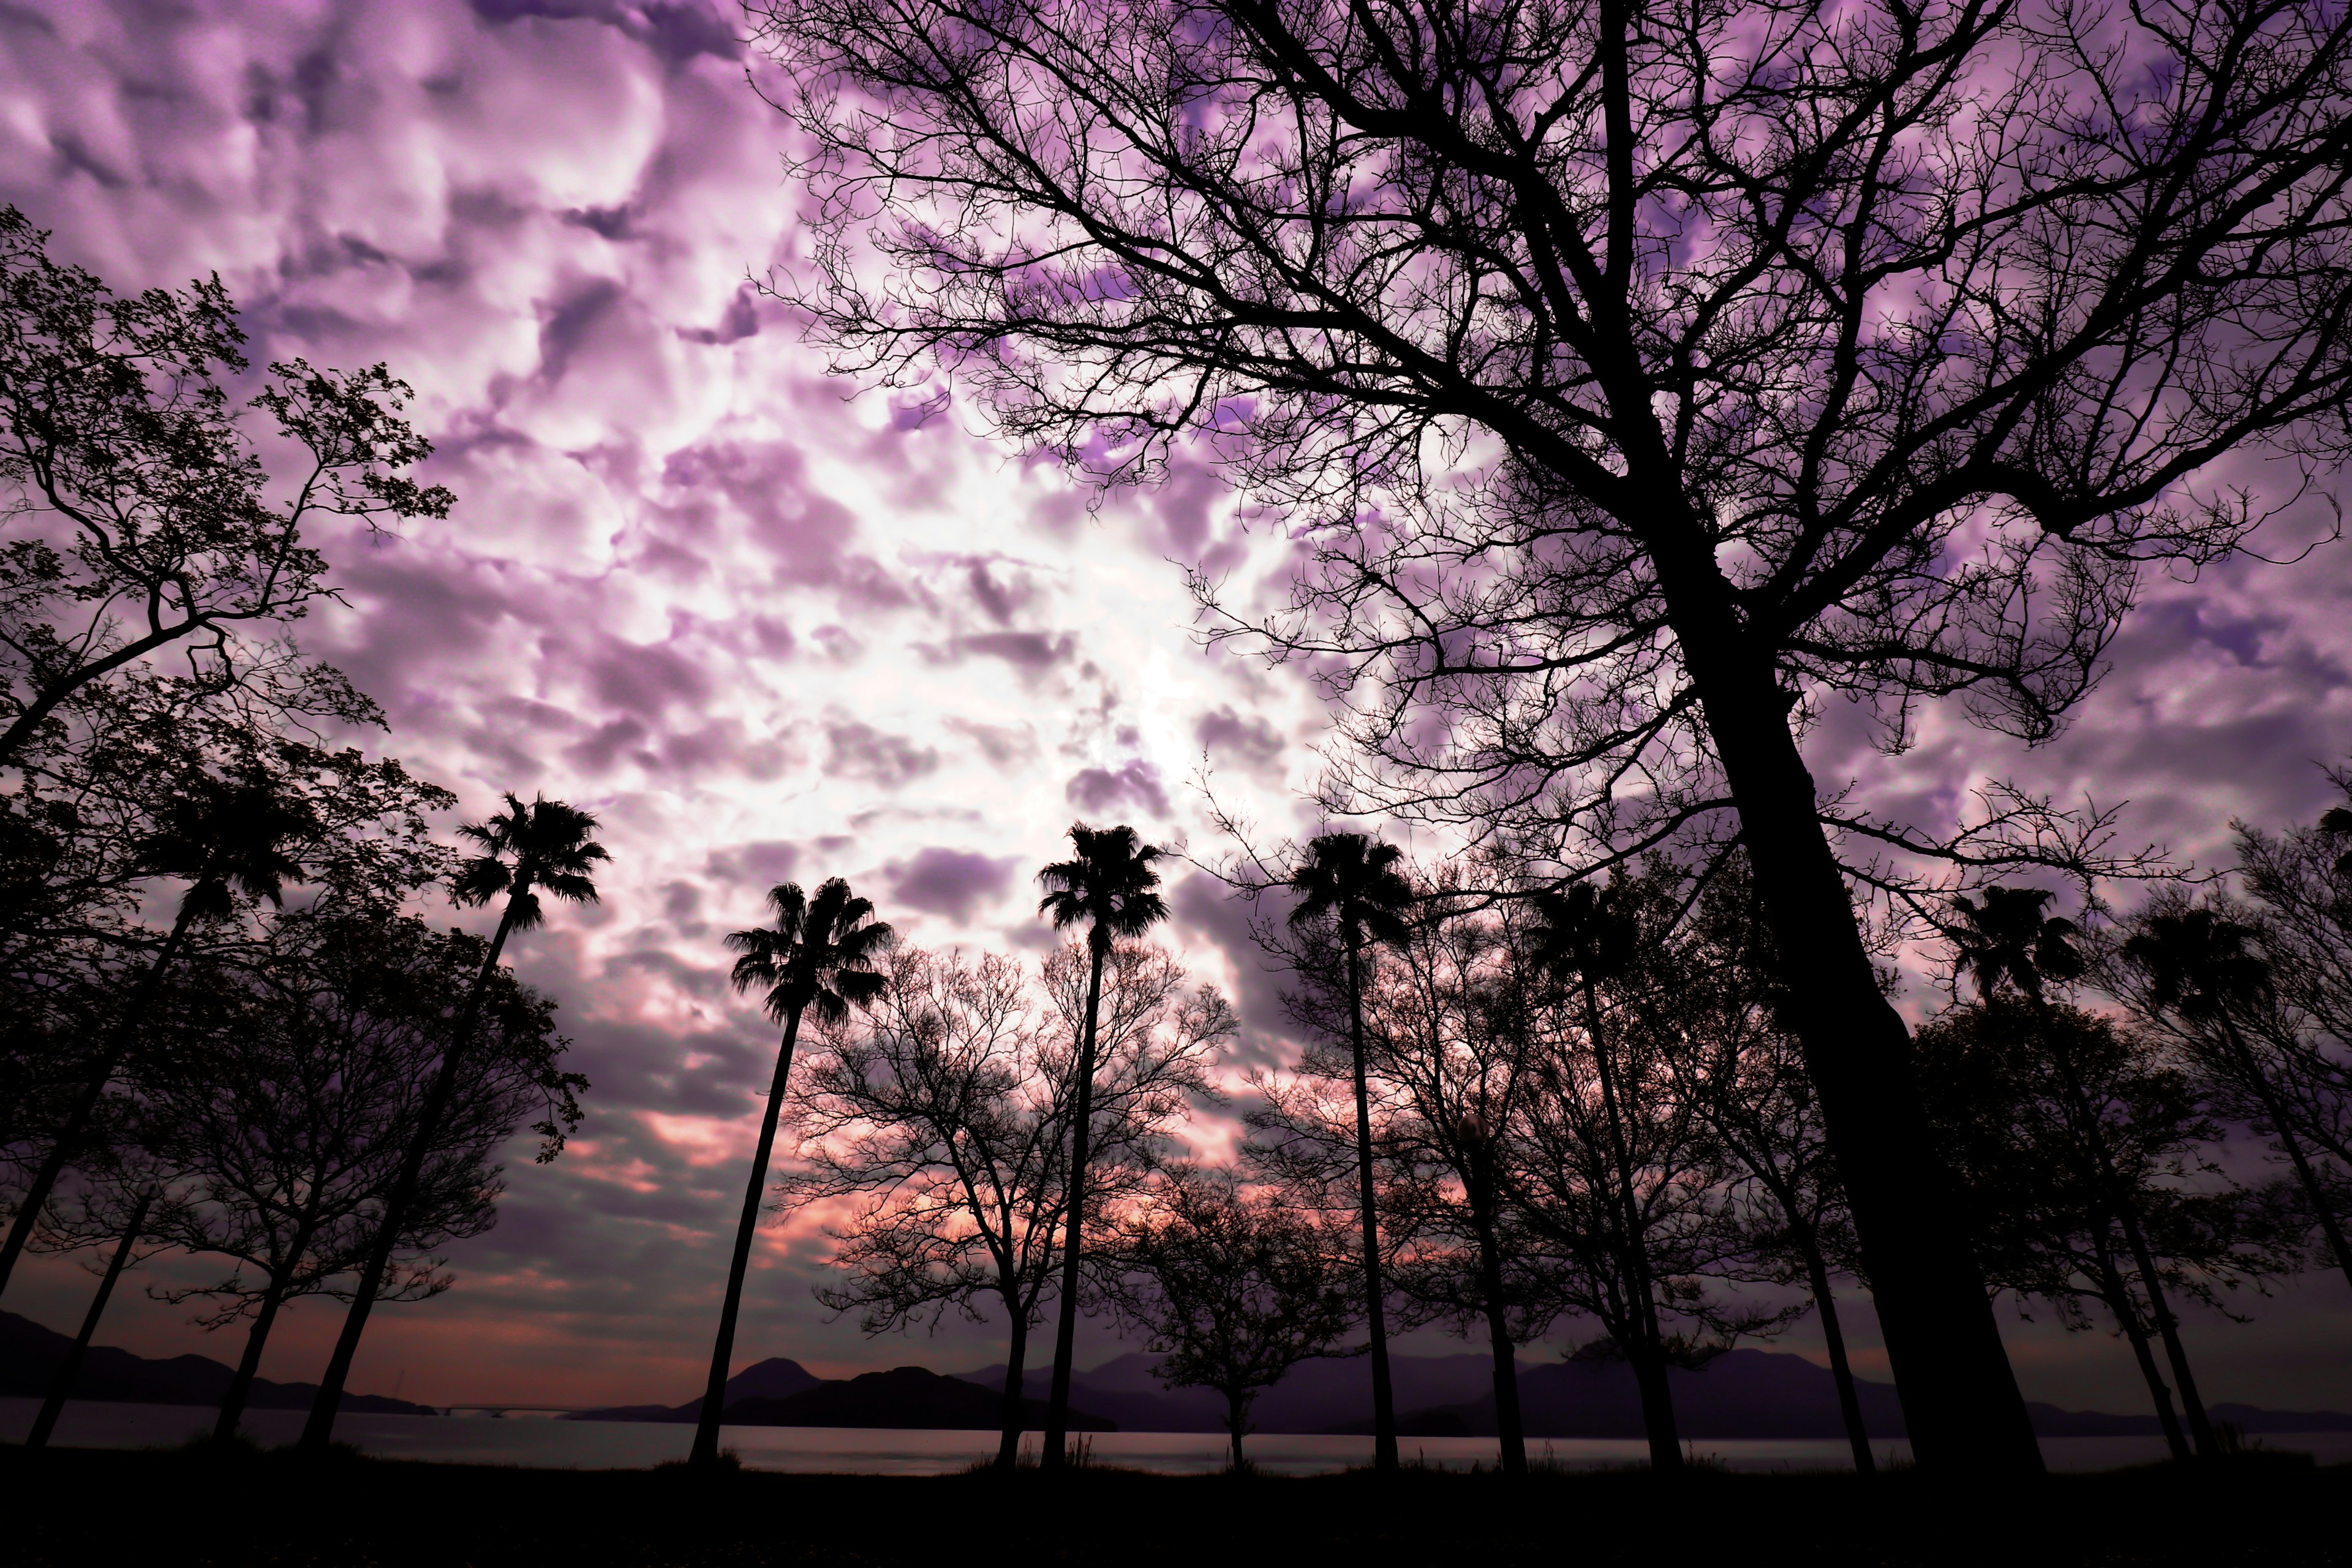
(336, 1511)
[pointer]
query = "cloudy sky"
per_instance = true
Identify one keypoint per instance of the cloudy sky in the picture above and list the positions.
(768, 628)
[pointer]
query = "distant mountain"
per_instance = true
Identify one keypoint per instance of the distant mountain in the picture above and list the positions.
(775, 1378)
(30, 1355)
(1743, 1394)
(903, 1397)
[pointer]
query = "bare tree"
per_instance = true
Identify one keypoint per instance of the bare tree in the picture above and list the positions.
(1233, 1289)
(945, 1110)
(1783, 354)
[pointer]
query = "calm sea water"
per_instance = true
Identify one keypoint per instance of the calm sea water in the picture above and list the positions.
(540, 1442)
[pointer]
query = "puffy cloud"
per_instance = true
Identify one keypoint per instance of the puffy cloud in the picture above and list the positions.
(1133, 784)
(951, 882)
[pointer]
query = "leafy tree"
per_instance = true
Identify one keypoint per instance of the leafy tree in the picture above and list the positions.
(1353, 883)
(2006, 942)
(2197, 965)
(1231, 1289)
(945, 1106)
(2042, 1203)
(1109, 886)
(140, 522)
(1641, 383)
(544, 846)
(818, 957)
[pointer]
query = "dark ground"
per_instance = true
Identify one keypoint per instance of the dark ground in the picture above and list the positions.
(80, 1508)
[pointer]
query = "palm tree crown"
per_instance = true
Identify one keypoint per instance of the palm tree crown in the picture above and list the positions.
(1109, 884)
(2197, 963)
(2006, 938)
(551, 847)
(819, 955)
(221, 835)
(1583, 930)
(1352, 877)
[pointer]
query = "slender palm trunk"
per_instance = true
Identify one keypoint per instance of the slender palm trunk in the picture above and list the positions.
(1066, 1327)
(319, 1430)
(1657, 1408)
(2119, 1301)
(2314, 1194)
(1510, 1431)
(1857, 1435)
(1960, 1399)
(84, 1105)
(61, 1385)
(1016, 1359)
(248, 1365)
(747, 1226)
(1384, 1435)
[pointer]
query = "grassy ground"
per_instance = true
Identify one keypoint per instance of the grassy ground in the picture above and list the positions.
(83, 1508)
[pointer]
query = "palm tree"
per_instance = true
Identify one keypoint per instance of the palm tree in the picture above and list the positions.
(222, 837)
(545, 847)
(1109, 886)
(2197, 965)
(1583, 935)
(2008, 938)
(1353, 881)
(818, 955)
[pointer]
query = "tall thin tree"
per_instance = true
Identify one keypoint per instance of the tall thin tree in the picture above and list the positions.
(222, 836)
(2006, 938)
(1110, 888)
(819, 956)
(1353, 881)
(545, 847)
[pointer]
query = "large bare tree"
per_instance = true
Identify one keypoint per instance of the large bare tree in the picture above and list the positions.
(1640, 380)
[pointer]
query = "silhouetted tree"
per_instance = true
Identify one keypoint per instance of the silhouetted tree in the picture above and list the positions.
(61, 1381)
(1352, 882)
(1801, 353)
(945, 1106)
(2196, 965)
(1231, 1290)
(2005, 941)
(2042, 1203)
(818, 957)
(141, 521)
(545, 847)
(285, 1101)
(1110, 888)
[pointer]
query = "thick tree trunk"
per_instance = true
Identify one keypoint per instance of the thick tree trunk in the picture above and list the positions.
(84, 1105)
(319, 1430)
(747, 1227)
(1857, 1435)
(1384, 1438)
(1510, 1429)
(1960, 1399)
(1658, 1409)
(61, 1384)
(1066, 1327)
(2314, 1194)
(1016, 1358)
(2119, 1302)
(1237, 1422)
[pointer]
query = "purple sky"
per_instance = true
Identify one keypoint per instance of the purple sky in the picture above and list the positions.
(768, 630)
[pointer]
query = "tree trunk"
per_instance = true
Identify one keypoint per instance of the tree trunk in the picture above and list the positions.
(1960, 1399)
(1857, 1435)
(1016, 1357)
(1658, 1409)
(61, 1385)
(1065, 1331)
(2119, 1302)
(319, 1430)
(1236, 1421)
(747, 1226)
(2321, 1208)
(2199, 1427)
(1384, 1438)
(1509, 1430)
(85, 1105)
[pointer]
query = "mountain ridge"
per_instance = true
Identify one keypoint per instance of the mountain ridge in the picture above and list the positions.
(30, 1351)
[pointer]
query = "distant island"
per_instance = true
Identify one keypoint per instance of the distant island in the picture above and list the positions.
(29, 1354)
